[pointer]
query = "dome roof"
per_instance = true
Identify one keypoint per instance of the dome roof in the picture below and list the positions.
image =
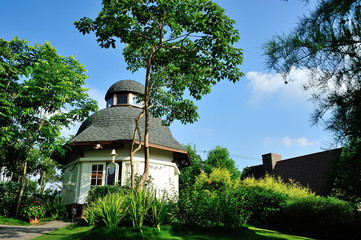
(124, 86)
(117, 124)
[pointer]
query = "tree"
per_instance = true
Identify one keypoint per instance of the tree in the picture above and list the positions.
(327, 43)
(15, 59)
(347, 184)
(51, 97)
(184, 46)
(219, 158)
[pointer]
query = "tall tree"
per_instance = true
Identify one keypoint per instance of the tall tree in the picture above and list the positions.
(327, 43)
(219, 158)
(184, 46)
(51, 97)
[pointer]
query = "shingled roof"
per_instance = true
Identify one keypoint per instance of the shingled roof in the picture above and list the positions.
(117, 124)
(313, 170)
(124, 86)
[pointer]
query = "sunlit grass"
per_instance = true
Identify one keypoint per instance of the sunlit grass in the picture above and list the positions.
(12, 221)
(175, 232)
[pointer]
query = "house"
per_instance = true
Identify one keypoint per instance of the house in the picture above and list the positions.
(99, 153)
(313, 170)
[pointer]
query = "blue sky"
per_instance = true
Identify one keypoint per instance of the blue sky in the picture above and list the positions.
(257, 115)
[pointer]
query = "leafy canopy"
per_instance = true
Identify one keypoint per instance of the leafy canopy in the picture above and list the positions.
(185, 45)
(219, 158)
(326, 42)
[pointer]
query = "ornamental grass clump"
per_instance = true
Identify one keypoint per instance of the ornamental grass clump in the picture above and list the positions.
(107, 211)
(32, 207)
(161, 211)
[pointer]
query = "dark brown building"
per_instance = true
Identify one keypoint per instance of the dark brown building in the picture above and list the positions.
(313, 170)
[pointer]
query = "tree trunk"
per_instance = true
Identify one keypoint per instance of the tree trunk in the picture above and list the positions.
(133, 151)
(146, 113)
(23, 183)
(41, 181)
(24, 170)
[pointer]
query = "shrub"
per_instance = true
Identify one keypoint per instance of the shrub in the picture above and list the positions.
(293, 189)
(101, 191)
(32, 207)
(9, 192)
(214, 200)
(106, 211)
(326, 217)
(218, 180)
(54, 206)
(263, 205)
(207, 209)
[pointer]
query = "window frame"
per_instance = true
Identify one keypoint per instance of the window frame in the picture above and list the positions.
(97, 172)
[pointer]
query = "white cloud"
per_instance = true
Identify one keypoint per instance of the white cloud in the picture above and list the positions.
(264, 85)
(289, 142)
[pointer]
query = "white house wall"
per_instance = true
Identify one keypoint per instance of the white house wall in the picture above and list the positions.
(163, 171)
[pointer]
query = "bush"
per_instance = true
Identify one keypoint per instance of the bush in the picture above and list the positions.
(32, 207)
(54, 206)
(102, 191)
(208, 209)
(106, 211)
(9, 192)
(263, 205)
(293, 189)
(323, 217)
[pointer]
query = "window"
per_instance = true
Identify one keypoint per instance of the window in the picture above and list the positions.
(97, 175)
(122, 99)
(110, 102)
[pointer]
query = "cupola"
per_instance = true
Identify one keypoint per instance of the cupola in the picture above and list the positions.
(123, 92)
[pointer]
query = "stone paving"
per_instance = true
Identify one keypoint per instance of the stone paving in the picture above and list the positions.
(10, 232)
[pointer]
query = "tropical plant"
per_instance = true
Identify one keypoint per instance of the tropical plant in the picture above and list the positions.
(162, 211)
(54, 206)
(139, 203)
(107, 211)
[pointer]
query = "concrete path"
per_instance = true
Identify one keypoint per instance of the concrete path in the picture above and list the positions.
(10, 232)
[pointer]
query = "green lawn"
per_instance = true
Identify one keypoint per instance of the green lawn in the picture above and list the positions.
(168, 232)
(12, 221)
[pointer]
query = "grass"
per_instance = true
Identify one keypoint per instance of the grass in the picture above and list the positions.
(176, 232)
(12, 221)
